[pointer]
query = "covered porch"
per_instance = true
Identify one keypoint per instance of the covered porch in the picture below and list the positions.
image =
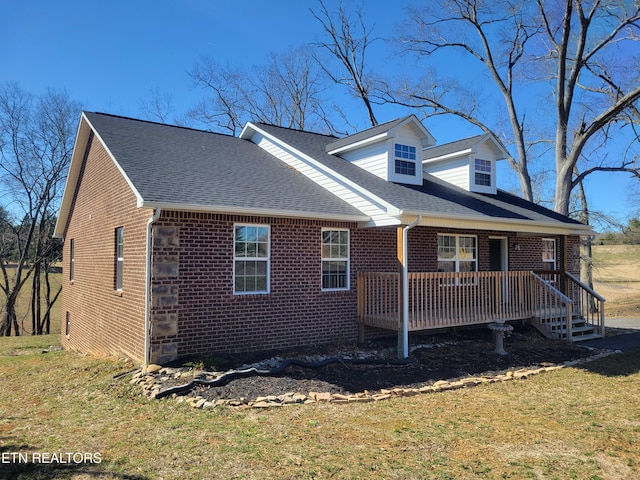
(556, 302)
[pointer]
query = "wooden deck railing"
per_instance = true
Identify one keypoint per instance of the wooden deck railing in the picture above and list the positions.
(439, 300)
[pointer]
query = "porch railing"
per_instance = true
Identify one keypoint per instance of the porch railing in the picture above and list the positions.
(439, 300)
(588, 306)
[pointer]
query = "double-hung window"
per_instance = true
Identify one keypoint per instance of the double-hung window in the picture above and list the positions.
(119, 257)
(72, 260)
(549, 253)
(335, 259)
(482, 172)
(405, 160)
(457, 253)
(251, 259)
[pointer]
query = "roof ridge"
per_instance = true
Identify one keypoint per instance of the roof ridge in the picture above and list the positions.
(266, 124)
(152, 122)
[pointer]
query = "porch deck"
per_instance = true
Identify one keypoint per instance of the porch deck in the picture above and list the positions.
(441, 300)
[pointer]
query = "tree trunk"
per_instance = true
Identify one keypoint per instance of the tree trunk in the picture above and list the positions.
(35, 301)
(586, 252)
(47, 316)
(10, 320)
(564, 169)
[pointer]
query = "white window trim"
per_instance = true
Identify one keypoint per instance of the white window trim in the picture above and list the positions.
(72, 260)
(490, 173)
(414, 161)
(457, 258)
(330, 259)
(266, 259)
(119, 273)
(554, 261)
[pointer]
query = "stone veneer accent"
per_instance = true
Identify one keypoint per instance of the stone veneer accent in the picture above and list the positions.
(165, 293)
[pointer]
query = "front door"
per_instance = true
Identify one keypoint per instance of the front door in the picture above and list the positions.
(498, 262)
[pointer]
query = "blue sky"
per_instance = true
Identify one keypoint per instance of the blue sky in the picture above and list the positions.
(111, 55)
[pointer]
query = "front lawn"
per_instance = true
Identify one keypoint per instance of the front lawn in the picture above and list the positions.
(575, 423)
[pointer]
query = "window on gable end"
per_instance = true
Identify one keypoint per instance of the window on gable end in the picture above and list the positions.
(405, 160)
(482, 172)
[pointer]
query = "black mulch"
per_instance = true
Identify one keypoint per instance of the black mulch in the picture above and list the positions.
(448, 357)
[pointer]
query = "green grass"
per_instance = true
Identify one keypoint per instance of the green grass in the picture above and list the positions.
(581, 423)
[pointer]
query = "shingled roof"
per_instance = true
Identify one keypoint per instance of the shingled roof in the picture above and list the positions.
(434, 197)
(181, 168)
(185, 169)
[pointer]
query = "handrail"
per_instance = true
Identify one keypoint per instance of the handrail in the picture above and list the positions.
(553, 289)
(589, 305)
(584, 286)
(548, 314)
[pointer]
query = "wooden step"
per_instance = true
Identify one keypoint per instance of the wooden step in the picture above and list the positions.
(580, 330)
(588, 336)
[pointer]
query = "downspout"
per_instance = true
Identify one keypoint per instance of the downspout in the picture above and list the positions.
(405, 287)
(147, 289)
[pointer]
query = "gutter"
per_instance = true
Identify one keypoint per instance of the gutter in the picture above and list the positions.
(147, 289)
(405, 290)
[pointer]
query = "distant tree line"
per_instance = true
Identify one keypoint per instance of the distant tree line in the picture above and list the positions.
(629, 235)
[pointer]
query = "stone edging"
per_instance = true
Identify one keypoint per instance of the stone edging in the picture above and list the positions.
(151, 377)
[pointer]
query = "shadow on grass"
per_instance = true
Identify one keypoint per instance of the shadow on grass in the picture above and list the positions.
(618, 365)
(18, 461)
(47, 471)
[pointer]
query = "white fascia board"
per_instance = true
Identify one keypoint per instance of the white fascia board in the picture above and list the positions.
(518, 226)
(139, 199)
(360, 144)
(448, 156)
(503, 154)
(429, 140)
(77, 157)
(263, 212)
(318, 167)
(79, 147)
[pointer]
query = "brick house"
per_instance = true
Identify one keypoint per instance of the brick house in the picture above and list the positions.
(181, 242)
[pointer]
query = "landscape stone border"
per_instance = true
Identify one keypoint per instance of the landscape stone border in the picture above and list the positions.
(153, 379)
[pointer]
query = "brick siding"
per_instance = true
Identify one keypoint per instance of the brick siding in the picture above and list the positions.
(103, 321)
(193, 308)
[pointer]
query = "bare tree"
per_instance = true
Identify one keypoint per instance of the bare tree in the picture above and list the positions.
(586, 47)
(348, 42)
(286, 91)
(36, 142)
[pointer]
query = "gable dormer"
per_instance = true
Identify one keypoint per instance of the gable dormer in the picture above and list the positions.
(469, 163)
(391, 151)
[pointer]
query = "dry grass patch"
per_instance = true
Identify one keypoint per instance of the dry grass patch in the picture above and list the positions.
(616, 272)
(581, 423)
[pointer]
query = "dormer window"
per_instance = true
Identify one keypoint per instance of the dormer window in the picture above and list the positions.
(405, 160)
(483, 172)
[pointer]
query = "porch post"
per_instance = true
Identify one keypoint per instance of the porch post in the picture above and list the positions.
(564, 264)
(403, 288)
(401, 267)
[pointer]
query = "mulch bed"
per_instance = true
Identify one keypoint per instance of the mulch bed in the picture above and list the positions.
(468, 353)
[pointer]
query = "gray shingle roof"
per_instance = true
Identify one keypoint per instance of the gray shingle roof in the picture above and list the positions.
(452, 147)
(434, 196)
(363, 135)
(177, 166)
(181, 166)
